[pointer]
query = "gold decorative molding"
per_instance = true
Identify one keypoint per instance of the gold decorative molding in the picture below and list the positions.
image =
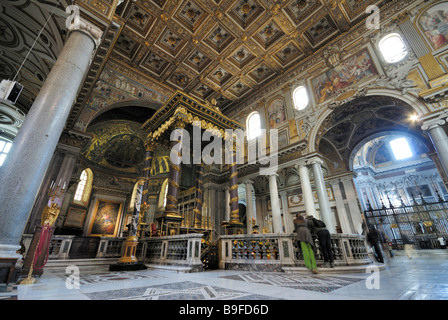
(431, 67)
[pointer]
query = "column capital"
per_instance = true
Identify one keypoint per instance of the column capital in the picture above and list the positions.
(248, 181)
(271, 172)
(433, 123)
(300, 163)
(283, 193)
(348, 179)
(315, 160)
(82, 25)
(334, 182)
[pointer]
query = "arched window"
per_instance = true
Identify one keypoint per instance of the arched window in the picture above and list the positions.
(401, 149)
(5, 146)
(393, 48)
(253, 126)
(82, 193)
(300, 97)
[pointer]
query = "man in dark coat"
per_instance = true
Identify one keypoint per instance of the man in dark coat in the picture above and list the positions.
(319, 231)
(373, 238)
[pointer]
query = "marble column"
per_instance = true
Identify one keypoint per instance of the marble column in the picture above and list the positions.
(307, 192)
(340, 207)
(287, 217)
(322, 195)
(33, 147)
(275, 204)
(352, 199)
(249, 205)
(227, 204)
(439, 139)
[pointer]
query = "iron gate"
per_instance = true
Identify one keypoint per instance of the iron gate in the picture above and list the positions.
(420, 225)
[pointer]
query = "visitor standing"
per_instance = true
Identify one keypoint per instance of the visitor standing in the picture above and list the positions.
(306, 242)
(319, 230)
(373, 238)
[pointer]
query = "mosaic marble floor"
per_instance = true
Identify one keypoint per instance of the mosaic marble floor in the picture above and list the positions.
(295, 281)
(425, 276)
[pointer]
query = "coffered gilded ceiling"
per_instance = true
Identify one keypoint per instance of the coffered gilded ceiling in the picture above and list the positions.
(227, 49)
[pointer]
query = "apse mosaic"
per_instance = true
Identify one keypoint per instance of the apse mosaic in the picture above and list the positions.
(113, 87)
(116, 145)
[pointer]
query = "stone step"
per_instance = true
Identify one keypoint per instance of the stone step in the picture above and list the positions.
(177, 269)
(336, 269)
(60, 263)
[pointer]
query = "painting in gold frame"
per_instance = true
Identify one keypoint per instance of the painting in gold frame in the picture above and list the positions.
(105, 218)
(75, 217)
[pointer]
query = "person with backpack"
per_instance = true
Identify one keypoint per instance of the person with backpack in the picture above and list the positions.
(319, 230)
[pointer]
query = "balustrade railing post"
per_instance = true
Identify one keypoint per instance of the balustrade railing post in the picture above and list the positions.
(65, 248)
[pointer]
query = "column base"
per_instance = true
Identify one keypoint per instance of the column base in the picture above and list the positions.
(129, 250)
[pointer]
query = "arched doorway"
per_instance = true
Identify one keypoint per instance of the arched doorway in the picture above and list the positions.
(395, 168)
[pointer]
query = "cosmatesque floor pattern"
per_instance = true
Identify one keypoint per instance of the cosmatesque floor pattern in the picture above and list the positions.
(424, 276)
(319, 283)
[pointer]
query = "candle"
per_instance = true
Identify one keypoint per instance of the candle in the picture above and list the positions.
(52, 184)
(63, 187)
(59, 182)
